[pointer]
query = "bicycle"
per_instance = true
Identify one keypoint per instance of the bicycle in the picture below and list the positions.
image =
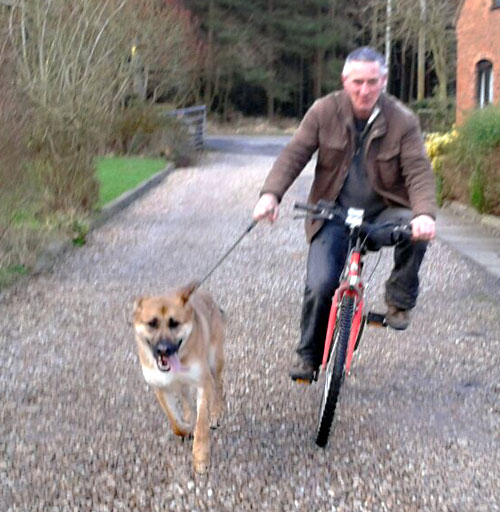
(347, 318)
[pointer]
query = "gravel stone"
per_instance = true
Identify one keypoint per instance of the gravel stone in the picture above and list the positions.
(418, 422)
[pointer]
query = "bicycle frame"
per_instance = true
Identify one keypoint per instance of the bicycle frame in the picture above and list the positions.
(351, 286)
(346, 320)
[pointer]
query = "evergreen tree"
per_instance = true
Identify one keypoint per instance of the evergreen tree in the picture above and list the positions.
(271, 56)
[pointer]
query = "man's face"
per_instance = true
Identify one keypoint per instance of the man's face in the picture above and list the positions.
(363, 84)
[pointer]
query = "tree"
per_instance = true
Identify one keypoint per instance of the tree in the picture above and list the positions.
(442, 42)
(421, 28)
(165, 52)
(421, 50)
(70, 63)
(268, 54)
(76, 62)
(16, 189)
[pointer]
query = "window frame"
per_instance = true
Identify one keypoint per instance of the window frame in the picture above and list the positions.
(484, 83)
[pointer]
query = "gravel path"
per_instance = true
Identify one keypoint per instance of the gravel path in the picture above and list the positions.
(418, 424)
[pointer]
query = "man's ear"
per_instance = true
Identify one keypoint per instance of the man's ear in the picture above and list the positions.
(187, 291)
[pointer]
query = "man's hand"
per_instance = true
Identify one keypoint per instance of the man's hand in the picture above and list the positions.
(266, 208)
(423, 227)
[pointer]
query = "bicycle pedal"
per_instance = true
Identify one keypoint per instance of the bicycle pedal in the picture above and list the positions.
(376, 319)
(308, 381)
(303, 381)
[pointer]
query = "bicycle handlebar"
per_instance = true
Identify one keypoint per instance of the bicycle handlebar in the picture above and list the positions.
(401, 234)
(328, 211)
(322, 209)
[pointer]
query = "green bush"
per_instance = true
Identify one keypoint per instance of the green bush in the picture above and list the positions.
(471, 169)
(67, 179)
(133, 128)
(479, 134)
(19, 194)
(477, 191)
(146, 129)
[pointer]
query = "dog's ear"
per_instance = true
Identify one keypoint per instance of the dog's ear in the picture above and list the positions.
(185, 293)
(138, 305)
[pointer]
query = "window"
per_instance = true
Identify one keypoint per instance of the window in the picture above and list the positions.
(484, 83)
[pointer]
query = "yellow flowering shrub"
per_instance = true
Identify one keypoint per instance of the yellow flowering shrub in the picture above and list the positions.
(436, 145)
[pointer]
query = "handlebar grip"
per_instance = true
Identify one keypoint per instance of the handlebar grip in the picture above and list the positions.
(306, 207)
(401, 234)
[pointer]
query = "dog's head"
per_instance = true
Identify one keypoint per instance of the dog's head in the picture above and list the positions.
(163, 324)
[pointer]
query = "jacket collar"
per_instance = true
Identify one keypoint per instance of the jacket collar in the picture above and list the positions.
(344, 108)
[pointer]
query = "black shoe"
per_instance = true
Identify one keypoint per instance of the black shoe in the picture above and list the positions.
(397, 318)
(302, 370)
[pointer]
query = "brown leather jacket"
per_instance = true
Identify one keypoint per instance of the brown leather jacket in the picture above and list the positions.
(395, 157)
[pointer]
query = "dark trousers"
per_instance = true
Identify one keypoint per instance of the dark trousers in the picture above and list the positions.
(326, 259)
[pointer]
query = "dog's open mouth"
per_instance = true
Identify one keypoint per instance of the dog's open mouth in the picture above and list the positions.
(168, 363)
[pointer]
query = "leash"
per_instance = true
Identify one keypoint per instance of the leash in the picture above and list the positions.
(228, 252)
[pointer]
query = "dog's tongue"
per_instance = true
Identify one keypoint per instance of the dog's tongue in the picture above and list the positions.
(170, 363)
(175, 364)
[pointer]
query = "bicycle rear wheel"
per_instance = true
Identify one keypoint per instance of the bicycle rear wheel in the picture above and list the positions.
(335, 370)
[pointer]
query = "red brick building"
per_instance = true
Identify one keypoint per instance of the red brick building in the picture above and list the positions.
(478, 55)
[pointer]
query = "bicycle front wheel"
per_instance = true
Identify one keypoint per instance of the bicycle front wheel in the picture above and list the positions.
(335, 370)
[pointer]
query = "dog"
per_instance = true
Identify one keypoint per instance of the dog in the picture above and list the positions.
(180, 344)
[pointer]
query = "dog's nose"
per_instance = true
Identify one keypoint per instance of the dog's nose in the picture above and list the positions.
(165, 348)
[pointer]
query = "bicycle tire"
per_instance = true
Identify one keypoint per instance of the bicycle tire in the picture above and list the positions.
(335, 370)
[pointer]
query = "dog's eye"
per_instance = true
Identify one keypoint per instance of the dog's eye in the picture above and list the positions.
(154, 323)
(172, 323)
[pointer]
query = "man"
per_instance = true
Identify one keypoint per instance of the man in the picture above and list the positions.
(371, 156)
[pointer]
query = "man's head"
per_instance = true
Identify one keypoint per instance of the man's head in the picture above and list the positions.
(364, 77)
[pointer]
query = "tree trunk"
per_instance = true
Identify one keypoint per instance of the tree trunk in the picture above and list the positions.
(374, 28)
(388, 21)
(421, 51)
(319, 57)
(402, 84)
(269, 63)
(440, 67)
(301, 88)
(139, 75)
(411, 89)
(209, 64)
(225, 108)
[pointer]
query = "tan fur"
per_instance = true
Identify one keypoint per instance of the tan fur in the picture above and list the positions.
(201, 327)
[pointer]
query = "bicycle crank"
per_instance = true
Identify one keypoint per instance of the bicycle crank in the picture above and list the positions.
(376, 319)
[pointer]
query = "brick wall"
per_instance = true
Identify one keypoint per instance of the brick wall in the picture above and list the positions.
(478, 38)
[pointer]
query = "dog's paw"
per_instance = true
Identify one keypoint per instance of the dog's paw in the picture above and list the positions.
(201, 466)
(217, 413)
(183, 433)
(183, 430)
(215, 422)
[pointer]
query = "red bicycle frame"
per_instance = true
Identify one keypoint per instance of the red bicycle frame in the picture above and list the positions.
(351, 286)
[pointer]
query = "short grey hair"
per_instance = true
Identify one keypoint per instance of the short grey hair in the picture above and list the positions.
(364, 54)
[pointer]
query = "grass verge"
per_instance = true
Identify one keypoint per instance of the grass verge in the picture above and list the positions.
(11, 273)
(26, 235)
(117, 175)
